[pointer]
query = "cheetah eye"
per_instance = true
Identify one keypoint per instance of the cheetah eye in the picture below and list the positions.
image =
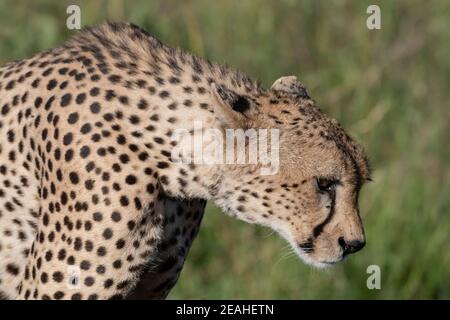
(326, 184)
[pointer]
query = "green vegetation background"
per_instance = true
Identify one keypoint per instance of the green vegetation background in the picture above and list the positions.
(390, 88)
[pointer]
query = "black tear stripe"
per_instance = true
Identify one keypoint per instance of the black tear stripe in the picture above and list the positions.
(319, 228)
(308, 245)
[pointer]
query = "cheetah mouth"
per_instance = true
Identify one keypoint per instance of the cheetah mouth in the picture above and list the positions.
(327, 263)
(331, 263)
(334, 262)
(319, 263)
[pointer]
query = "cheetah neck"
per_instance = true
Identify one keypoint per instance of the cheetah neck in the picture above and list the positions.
(170, 93)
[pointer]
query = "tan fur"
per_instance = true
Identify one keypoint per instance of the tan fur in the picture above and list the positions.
(89, 182)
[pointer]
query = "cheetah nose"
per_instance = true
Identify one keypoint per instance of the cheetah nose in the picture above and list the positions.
(351, 246)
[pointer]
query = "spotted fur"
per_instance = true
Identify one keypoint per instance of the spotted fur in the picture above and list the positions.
(87, 182)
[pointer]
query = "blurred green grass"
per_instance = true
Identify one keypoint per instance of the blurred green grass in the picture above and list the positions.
(389, 87)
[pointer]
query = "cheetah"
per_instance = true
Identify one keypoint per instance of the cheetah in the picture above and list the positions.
(92, 205)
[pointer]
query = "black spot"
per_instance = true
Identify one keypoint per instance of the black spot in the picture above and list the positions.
(158, 140)
(86, 128)
(67, 138)
(100, 269)
(123, 100)
(73, 176)
(94, 92)
(68, 155)
(114, 78)
(52, 84)
(241, 104)
(101, 251)
(73, 118)
(131, 179)
(58, 276)
(117, 264)
(124, 158)
(164, 94)
(164, 180)
(38, 102)
(65, 100)
(97, 216)
(76, 296)
(80, 98)
(89, 281)
(89, 184)
(110, 94)
(12, 269)
(85, 265)
(95, 107)
(124, 201)
(84, 152)
(134, 119)
(115, 216)
(120, 244)
(58, 295)
(108, 283)
(162, 165)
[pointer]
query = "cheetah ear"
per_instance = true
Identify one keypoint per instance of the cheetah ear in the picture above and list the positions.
(291, 86)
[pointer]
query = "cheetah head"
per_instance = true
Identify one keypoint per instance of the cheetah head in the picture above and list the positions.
(312, 198)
